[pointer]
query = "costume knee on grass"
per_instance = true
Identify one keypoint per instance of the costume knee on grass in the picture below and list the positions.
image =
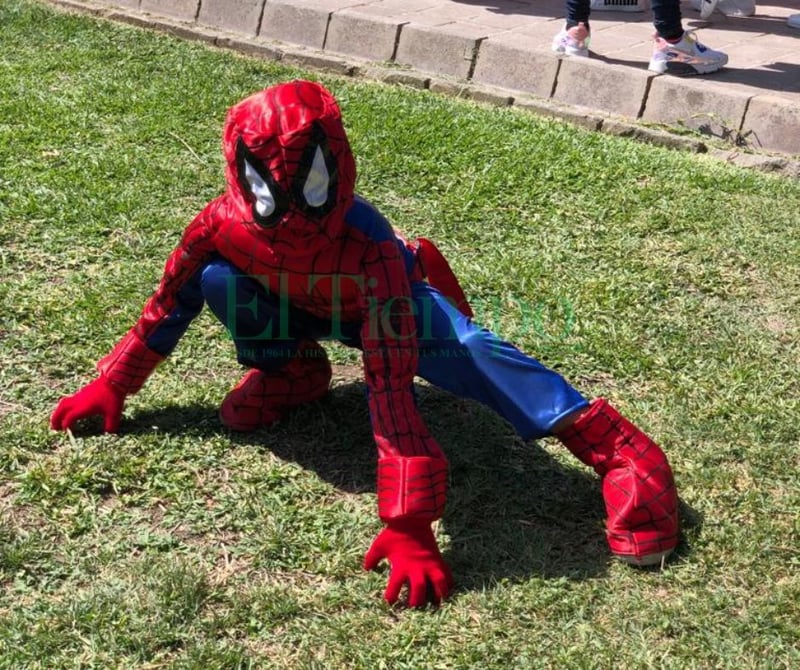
(288, 256)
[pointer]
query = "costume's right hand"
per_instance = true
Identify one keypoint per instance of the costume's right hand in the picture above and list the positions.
(412, 552)
(98, 398)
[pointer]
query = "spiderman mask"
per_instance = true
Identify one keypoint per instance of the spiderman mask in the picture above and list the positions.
(290, 170)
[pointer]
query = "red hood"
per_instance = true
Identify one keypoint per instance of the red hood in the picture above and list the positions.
(293, 133)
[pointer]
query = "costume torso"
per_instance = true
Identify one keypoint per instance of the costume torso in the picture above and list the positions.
(289, 218)
(329, 281)
(358, 277)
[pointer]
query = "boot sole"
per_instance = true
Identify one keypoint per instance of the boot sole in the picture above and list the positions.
(644, 561)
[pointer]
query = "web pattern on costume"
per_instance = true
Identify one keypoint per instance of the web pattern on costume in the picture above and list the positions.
(638, 485)
(260, 398)
(332, 265)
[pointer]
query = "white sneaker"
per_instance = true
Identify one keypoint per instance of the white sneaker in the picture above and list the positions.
(736, 8)
(706, 7)
(686, 57)
(573, 42)
(794, 21)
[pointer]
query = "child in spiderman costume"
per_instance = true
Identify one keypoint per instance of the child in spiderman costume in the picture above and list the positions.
(287, 256)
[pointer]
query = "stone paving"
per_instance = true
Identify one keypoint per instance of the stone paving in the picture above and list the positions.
(505, 46)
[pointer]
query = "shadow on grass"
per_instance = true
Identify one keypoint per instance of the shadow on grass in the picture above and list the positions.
(514, 510)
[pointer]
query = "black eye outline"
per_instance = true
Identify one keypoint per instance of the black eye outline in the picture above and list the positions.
(282, 200)
(319, 140)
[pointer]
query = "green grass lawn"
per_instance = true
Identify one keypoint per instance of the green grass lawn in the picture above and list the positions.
(667, 282)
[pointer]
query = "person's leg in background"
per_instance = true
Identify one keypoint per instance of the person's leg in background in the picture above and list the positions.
(677, 51)
(667, 19)
(573, 40)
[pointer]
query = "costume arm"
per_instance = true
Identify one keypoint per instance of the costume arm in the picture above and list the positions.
(412, 470)
(168, 312)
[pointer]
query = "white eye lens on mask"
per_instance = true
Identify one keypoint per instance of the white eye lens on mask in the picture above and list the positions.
(315, 190)
(265, 201)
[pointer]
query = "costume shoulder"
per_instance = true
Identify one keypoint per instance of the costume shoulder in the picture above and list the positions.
(365, 218)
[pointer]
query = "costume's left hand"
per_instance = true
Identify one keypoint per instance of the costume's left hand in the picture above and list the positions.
(411, 549)
(98, 398)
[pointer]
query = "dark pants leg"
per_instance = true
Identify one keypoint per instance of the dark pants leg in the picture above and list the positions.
(666, 16)
(577, 12)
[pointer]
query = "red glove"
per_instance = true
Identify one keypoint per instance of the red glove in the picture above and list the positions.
(411, 549)
(99, 397)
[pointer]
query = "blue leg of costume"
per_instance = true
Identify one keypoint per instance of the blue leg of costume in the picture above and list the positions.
(461, 357)
(638, 486)
(472, 362)
(265, 329)
(455, 354)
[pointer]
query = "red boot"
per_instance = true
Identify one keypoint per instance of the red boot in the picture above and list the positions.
(638, 488)
(261, 398)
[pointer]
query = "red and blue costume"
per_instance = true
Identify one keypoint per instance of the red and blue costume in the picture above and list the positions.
(289, 256)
